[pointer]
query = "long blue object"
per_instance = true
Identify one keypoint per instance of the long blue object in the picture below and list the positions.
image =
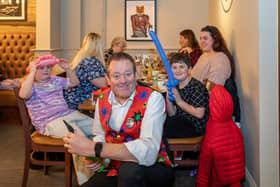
(171, 81)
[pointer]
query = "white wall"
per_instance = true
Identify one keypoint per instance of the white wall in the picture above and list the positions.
(253, 42)
(93, 16)
(48, 28)
(43, 24)
(106, 17)
(71, 27)
(269, 95)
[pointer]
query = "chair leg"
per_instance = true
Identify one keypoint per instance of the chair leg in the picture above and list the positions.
(178, 154)
(45, 167)
(68, 169)
(26, 168)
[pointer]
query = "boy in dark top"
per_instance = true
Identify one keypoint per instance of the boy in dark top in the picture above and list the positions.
(188, 114)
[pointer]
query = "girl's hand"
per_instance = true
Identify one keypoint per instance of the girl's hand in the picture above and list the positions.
(64, 64)
(33, 66)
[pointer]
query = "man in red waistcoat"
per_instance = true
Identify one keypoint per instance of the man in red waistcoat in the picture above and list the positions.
(128, 129)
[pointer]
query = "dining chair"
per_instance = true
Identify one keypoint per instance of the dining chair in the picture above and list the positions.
(35, 142)
(185, 144)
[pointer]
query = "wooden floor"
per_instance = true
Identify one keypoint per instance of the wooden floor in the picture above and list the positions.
(11, 160)
(9, 116)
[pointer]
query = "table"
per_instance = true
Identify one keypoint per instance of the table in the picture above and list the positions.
(87, 105)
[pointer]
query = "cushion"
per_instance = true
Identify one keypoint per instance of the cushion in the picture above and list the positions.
(40, 139)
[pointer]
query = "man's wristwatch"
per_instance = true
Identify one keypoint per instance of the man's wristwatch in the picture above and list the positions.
(98, 149)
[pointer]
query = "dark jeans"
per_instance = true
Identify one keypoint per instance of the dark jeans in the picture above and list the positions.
(131, 174)
(175, 127)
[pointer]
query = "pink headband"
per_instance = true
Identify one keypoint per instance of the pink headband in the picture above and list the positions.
(45, 61)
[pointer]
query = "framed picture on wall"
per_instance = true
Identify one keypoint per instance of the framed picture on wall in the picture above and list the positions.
(140, 17)
(12, 10)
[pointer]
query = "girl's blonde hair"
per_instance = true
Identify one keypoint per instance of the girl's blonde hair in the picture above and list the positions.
(92, 46)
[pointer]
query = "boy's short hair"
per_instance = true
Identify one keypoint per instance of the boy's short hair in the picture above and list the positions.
(181, 58)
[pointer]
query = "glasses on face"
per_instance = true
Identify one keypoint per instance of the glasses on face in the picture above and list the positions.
(126, 75)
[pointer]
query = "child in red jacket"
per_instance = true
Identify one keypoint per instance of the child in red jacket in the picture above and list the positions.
(222, 157)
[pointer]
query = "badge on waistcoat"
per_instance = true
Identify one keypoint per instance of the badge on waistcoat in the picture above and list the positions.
(129, 123)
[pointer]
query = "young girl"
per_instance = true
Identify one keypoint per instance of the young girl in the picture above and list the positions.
(47, 108)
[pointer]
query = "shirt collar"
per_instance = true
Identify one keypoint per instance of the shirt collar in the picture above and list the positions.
(112, 99)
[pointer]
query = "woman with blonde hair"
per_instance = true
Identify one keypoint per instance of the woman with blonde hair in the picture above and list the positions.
(118, 44)
(89, 67)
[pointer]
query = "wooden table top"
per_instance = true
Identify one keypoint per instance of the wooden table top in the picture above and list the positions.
(87, 105)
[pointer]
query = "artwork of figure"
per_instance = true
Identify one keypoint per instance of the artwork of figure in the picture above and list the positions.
(140, 23)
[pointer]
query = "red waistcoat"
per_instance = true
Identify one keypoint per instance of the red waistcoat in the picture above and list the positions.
(131, 127)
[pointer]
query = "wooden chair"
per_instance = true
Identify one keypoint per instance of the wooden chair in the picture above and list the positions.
(36, 142)
(185, 144)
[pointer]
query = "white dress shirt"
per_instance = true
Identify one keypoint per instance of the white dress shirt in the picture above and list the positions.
(146, 148)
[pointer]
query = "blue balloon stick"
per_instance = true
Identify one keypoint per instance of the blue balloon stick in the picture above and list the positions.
(171, 81)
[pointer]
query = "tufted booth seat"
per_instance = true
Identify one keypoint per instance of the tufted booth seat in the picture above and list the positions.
(15, 50)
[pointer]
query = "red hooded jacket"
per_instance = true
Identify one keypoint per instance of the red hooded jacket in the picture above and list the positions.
(222, 157)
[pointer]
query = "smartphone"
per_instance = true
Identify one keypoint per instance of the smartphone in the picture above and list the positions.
(69, 127)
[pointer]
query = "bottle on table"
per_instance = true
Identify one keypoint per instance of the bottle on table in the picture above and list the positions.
(150, 71)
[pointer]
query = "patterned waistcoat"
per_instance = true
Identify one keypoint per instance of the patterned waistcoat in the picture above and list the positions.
(131, 127)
